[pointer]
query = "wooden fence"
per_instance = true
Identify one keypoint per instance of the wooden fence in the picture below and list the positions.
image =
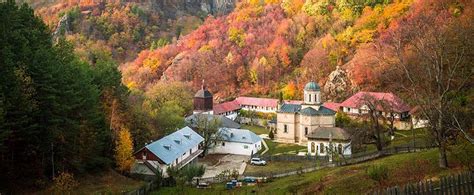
(385, 151)
(145, 189)
(322, 162)
(462, 184)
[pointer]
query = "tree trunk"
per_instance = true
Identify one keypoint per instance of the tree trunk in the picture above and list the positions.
(443, 159)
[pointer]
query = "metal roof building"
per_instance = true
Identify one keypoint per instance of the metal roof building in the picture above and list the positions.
(172, 146)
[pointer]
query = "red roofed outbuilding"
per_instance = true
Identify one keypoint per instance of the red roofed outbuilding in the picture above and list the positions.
(385, 103)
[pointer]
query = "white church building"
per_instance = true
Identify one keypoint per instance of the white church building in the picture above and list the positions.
(311, 124)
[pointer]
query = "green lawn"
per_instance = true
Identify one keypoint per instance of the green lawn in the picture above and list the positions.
(276, 167)
(352, 179)
(280, 148)
(403, 138)
(256, 129)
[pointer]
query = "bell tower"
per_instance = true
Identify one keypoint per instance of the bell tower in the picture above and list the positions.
(203, 101)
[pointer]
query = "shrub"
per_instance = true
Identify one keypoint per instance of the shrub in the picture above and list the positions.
(64, 182)
(378, 173)
(271, 135)
(462, 152)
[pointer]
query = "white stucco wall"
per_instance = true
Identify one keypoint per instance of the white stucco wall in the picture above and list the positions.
(345, 146)
(264, 109)
(236, 148)
(230, 115)
(140, 168)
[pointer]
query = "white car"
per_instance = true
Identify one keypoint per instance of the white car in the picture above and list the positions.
(257, 161)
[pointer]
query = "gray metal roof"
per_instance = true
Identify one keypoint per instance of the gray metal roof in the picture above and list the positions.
(326, 132)
(223, 121)
(238, 135)
(203, 93)
(312, 86)
(174, 145)
(309, 111)
(290, 108)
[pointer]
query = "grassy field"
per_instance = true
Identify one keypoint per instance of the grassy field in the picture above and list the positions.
(256, 129)
(109, 182)
(352, 179)
(279, 148)
(276, 166)
(274, 147)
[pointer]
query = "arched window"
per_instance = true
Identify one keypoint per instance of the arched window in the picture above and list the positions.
(309, 97)
(313, 145)
(306, 131)
(321, 148)
(339, 148)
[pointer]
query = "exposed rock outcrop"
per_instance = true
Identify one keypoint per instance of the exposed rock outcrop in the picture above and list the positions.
(176, 8)
(338, 85)
(62, 27)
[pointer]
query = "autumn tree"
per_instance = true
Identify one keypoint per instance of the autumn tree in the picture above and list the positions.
(430, 53)
(124, 151)
(375, 117)
(207, 126)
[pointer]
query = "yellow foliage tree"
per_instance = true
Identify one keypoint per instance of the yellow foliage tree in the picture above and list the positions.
(124, 150)
(237, 36)
(289, 91)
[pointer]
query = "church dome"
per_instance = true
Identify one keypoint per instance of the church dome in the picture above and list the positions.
(312, 86)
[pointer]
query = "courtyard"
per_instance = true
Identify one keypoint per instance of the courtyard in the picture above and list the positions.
(217, 163)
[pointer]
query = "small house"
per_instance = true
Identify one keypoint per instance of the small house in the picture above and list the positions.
(236, 141)
(327, 140)
(174, 150)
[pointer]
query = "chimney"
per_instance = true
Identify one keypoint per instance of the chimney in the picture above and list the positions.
(187, 135)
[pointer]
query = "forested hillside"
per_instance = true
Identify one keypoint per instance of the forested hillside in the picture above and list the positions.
(123, 28)
(264, 47)
(85, 83)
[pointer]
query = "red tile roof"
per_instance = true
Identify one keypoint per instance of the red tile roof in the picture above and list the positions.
(332, 106)
(252, 101)
(357, 100)
(226, 107)
(263, 102)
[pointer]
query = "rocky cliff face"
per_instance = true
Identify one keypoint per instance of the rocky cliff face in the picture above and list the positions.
(338, 85)
(176, 8)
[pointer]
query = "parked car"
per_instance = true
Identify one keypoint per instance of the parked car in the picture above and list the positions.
(249, 180)
(257, 161)
(203, 185)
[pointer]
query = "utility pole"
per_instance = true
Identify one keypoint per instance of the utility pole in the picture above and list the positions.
(52, 159)
(330, 147)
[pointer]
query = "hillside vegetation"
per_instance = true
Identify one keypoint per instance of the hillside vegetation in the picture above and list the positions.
(352, 179)
(263, 47)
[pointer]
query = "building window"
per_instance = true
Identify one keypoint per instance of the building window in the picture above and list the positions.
(339, 148)
(285, 130)
(223, 143)
(306, 131)
(321, 148)
(309, 97)
(246, 147)
(313, 147)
